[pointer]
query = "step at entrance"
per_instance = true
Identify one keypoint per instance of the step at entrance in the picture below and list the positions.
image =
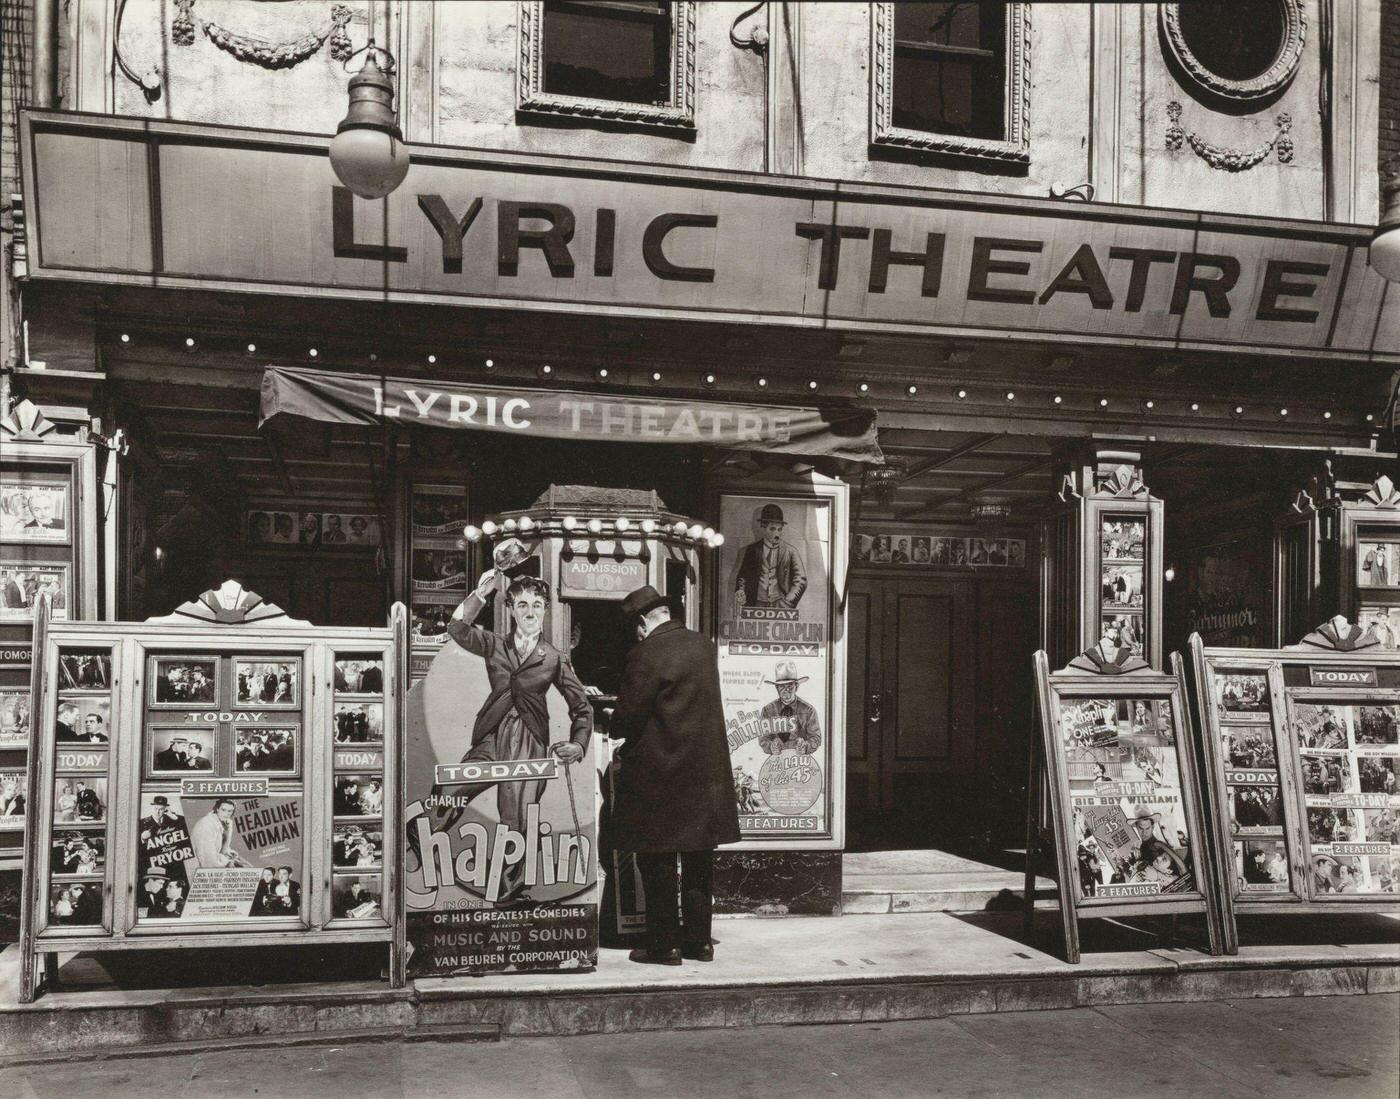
(880, 882)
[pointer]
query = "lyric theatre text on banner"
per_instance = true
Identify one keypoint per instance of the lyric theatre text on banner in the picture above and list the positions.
(502, 862)
(774, 593)
(216, 859)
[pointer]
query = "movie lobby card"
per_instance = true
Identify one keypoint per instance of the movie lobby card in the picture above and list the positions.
(219, 859)
(1130, 825)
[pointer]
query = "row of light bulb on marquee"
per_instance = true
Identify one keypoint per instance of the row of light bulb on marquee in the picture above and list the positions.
(621, 525)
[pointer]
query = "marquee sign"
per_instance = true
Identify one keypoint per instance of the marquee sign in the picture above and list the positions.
(187, 206)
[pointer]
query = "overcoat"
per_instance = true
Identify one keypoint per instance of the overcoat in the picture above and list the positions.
(674, 788)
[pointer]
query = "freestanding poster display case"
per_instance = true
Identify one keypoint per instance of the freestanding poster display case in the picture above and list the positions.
(1302, 750)
(224, 776)
(1125, 808)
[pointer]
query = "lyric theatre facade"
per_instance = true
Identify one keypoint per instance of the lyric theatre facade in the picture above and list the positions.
(940, 417)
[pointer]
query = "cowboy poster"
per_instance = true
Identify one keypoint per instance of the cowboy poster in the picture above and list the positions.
(1131, 833)
(774, 594)
(501, 870)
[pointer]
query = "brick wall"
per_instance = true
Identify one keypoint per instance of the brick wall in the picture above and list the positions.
(16, 46)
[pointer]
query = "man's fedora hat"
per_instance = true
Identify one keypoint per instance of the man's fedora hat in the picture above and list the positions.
(642, 600)
(155, 872)
(771, 513)
(786, 672)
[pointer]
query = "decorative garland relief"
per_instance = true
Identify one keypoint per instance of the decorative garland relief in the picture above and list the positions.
(1226, 159)
(259, 51)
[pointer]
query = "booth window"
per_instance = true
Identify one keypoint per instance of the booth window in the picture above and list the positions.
(951, 78)
(627, 61)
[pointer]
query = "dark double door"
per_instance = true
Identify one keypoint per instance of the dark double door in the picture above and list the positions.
(938, 710)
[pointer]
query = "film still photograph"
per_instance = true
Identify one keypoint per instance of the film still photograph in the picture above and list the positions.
(1384, 871)
(273, 683)
(1261, 863)
(1337, 873)
(1250, 746)
(78, 853)
(79, 800)
(85, 671)
(1378, 563)
(359, 722)
(1121, 585)
(1318, 725)
(76, 904)
(355, 897)
(358, 795)
(1242, 693)
(1328, 825)
(1377, 774)
(34, 512)
(82, 720)
(359, 675)
(1378, 725)
(1381, 825)
(1255, 807)
(22, 583)
(357, 846)
(1323, 775)
(184, 681)
(14, 718)
(278, 893)
(1122, 539)
(176, 751)
(439, 567)
(1123, 631)
(13, 799)
(266, 751)
(272, 528)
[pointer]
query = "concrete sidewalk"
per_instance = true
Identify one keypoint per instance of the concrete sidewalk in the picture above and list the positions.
(847, 969)
(1313, 1048)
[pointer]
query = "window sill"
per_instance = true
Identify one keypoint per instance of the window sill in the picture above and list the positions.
(607, 110)
(1002, 152)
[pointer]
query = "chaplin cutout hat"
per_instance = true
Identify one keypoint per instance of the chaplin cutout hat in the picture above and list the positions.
(771, 513)
(786, 672)
(642, 600)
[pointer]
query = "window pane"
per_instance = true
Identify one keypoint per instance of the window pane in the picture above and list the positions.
(951, 91)
(1238, 40)
(608, 49)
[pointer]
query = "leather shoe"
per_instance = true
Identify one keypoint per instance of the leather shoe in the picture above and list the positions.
(666, 957)
(702, 953)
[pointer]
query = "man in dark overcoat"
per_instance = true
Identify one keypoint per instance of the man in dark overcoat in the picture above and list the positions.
(675, 790)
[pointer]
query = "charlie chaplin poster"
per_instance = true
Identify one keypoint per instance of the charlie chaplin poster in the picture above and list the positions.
(773, 574)
(502, 867)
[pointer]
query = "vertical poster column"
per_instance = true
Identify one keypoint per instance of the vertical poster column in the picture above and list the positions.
(774, 615)
(77, 887)
(1371, 541)
(357, 794)
(437, 559)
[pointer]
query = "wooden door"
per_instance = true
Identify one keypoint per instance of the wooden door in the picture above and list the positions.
(910, 715)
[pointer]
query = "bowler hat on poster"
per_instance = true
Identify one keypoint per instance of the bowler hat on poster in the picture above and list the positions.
(642, 600)
(161, 799)
(771, 513)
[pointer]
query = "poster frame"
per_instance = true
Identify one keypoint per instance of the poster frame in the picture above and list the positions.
(1204, 663)
(802, 489)
(1050, 774)
(133, 646)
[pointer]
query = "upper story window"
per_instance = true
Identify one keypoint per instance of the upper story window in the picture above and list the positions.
(1243, 51)
(952, 78)
(620, 60)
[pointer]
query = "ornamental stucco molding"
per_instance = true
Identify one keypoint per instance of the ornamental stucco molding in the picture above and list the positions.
(1222, 157)
(1268, 83)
